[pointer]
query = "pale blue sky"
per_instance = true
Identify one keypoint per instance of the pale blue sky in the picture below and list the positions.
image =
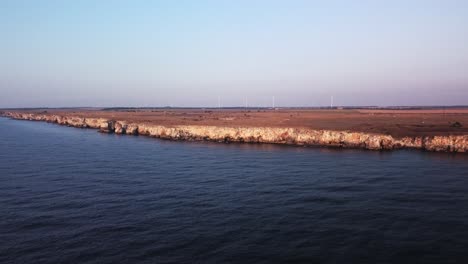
(187, 53)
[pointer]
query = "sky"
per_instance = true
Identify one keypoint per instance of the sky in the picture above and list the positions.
(201, 53)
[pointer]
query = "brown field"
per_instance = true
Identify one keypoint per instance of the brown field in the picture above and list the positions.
(397, 123)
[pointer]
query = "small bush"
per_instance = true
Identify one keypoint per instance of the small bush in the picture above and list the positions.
(456, 124)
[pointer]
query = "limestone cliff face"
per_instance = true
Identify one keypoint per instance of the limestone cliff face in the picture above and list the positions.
(293, 136)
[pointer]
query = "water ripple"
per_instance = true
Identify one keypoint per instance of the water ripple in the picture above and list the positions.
(76, 196)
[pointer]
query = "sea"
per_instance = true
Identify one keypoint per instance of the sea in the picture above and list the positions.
(71, 195)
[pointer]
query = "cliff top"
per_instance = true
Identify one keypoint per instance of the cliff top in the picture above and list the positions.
(398, 123)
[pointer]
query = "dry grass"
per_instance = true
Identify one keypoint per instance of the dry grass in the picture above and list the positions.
(397, 123)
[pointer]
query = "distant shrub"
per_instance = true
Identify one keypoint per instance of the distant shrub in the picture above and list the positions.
(456, 124)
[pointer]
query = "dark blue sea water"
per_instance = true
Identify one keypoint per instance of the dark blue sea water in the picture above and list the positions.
(72, 195)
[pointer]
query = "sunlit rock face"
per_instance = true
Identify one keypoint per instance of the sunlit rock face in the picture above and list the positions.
(107, 126)
(292, 136)
(120, 127)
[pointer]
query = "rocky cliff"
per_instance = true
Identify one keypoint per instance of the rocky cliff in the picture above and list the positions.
(292, 136)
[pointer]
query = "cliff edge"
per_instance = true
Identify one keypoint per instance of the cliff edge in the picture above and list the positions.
(274, 135)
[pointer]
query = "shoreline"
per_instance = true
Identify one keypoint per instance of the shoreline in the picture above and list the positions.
(244, 134)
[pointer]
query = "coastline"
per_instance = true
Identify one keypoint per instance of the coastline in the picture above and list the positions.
(254, 134)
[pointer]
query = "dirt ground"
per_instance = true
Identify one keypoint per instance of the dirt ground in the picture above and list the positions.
(397, 123)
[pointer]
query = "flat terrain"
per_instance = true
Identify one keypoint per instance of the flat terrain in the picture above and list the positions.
(397, 123)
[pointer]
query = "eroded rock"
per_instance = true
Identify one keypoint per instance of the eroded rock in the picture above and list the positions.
(295, 136)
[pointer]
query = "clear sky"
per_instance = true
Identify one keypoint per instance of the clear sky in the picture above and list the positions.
(189, 53)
